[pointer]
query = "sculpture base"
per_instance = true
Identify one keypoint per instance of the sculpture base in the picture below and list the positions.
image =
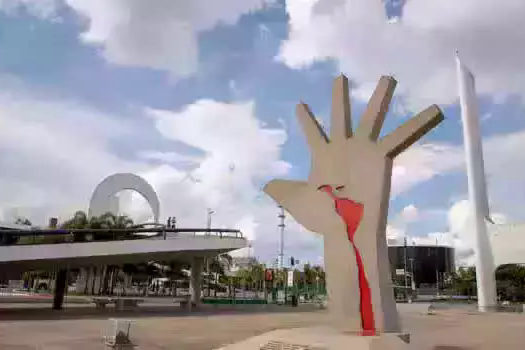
(320, 338)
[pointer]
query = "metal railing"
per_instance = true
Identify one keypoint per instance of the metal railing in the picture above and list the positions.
(59, 236)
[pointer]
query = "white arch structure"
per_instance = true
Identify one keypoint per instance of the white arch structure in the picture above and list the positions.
(101, 199)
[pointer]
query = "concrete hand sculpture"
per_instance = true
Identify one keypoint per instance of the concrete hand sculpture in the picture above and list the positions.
(346, 199)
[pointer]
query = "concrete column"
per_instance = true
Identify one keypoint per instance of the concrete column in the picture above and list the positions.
(107, 283)
(82, 280)
(97, 280)
(60, 288)
(90, 280)
(127, 280)
(477, 189)
(127, 283)
(195, 280)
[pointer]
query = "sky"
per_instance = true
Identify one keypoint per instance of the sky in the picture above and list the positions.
(199, 98)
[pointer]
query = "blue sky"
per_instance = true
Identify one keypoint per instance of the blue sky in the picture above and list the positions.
(92, 80)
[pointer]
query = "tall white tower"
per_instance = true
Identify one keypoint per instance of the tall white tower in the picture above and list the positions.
(477, 188)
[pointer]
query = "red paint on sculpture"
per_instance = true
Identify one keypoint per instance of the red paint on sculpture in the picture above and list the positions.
(352, 212)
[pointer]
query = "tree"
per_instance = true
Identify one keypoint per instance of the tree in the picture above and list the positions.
(245, 277)
(78, 221)
(313, 273)
(105, 221)
(464, 280)
(257, 272)
(511, 282)
(251, 277)
(217, 269)
(309, 274)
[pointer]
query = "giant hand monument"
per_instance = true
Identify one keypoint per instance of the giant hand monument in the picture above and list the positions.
(346, 200)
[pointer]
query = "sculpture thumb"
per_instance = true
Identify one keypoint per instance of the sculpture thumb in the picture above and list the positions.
(286, 192)
(274, 189)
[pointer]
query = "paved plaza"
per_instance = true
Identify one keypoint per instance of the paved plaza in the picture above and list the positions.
(167, 327)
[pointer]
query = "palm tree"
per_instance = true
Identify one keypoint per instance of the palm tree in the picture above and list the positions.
(123, 221)
(245, 277)
(23, 221)
(78, 221)
(225, 260)
(257, 272)
(105, 221)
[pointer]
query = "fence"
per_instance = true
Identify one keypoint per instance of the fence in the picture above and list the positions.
(58, 236)
(272, 295)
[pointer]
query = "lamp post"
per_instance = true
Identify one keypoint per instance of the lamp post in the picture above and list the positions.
(210, 213)
(405, 267)
(208, 226)
(281, 243)
(437, 269)
(413, 273)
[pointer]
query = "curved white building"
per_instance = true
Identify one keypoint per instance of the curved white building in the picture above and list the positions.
(103, 198)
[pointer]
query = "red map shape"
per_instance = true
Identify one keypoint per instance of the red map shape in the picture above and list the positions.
(352, 212)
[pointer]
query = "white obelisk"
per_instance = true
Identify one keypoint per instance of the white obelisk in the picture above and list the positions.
(477, 188)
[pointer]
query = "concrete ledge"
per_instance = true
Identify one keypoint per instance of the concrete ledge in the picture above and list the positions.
(320, 338)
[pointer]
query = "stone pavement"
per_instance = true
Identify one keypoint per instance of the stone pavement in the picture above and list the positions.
(82, 328)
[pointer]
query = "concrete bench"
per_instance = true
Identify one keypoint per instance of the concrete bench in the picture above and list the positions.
(186, 304)
(120, 303)
(101, 303)
(127, 304)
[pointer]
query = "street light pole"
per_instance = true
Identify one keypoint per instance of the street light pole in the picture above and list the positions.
(406, 277)
(281, 248)
(208, 225)
(437, 271)
(413, 273)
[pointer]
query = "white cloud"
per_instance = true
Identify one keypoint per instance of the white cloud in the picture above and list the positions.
(160, 34)
(45, 9)
(238, 149)
(505, 170)
(169, 157)
(486, 117)
(433, 238)
(53, 155)
(418, 49)
(394, 234)
(458, 235)
(238, 154)
(459, 232)
(422, 162)
(410, 213)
